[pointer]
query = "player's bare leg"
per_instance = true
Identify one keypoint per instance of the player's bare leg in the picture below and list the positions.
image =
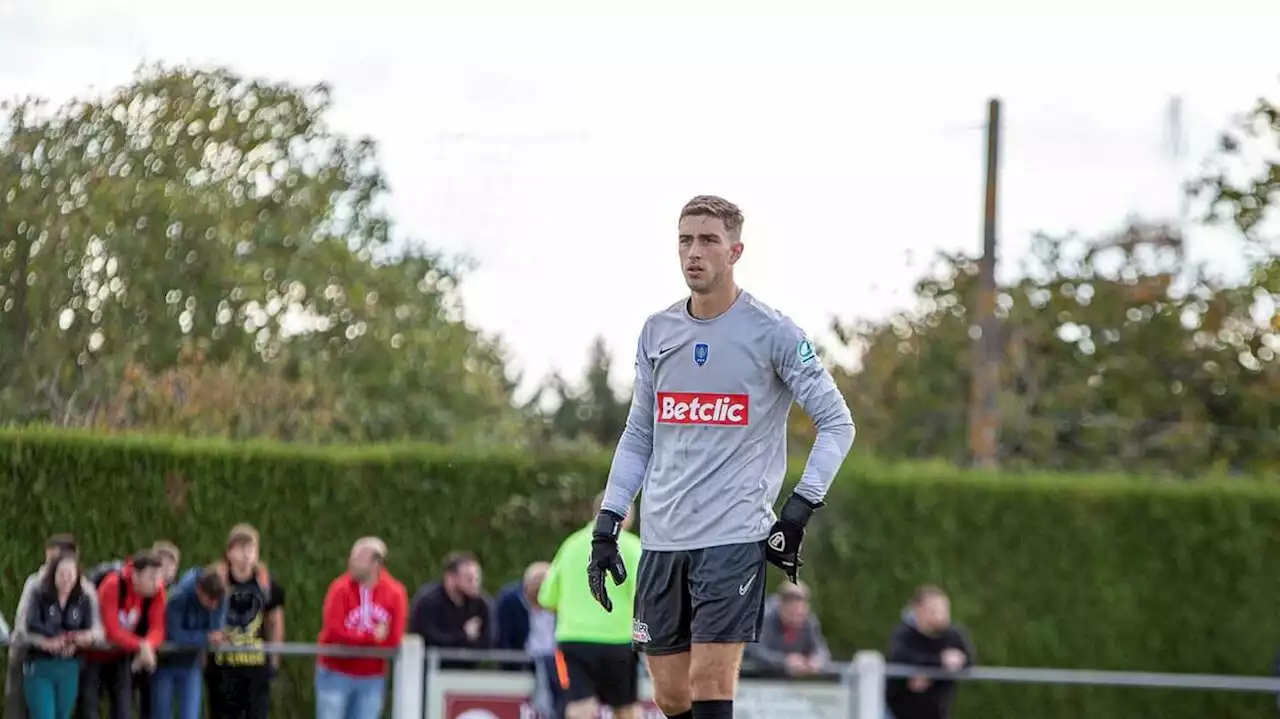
(584, 709)
(627, 712)
(672, 690)
(713, 671)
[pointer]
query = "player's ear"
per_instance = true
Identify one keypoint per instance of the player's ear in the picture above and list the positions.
(735, 252)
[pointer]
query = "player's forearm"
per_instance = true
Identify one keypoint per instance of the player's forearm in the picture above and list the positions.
(626, 474)
(832, 445)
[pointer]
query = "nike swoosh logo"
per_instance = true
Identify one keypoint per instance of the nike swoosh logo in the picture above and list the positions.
(666, 350)
(742, 591)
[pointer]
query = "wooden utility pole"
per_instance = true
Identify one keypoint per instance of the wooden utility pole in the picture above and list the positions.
(984, 407)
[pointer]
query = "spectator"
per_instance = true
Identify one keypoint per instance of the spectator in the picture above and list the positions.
(132, 600)
(239, 681)
(170, 558)
(515, 606)
(59, 624)
(56, 545)
(595, 658)
(524, 625)
(365, 607)
(194, 616)
(790, 639)
(927, 638)
(166, 553)
(453, 612)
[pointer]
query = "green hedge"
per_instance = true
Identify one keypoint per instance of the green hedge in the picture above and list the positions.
(1097, 572)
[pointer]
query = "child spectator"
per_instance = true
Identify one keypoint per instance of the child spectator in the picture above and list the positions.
(239, 682)
(365, 607)
(60, 622)
(55, 546)
(132, 600)
(194, 616)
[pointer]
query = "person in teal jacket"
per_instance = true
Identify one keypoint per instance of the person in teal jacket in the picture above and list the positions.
(194, 618)
(59, 624)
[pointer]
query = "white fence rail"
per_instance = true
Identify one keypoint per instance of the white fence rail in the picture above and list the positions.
(855, 690)
(427, 684)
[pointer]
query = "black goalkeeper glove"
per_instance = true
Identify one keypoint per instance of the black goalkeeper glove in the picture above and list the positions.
(782, 549)
(605, 557)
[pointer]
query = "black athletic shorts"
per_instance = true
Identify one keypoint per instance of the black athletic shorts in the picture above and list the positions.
(606, 672)
(701, 596)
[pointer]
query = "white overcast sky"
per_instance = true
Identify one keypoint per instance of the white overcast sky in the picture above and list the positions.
(554, 141)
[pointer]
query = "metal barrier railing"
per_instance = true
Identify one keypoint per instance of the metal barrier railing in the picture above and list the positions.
(407, 665)
(861, 684)
(869, 673)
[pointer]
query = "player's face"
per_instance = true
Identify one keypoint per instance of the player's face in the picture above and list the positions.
(707, 252)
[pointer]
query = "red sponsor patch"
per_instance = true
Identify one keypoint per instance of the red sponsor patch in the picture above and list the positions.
(703, 408)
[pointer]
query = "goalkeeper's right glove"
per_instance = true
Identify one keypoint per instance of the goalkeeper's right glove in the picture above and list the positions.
(605, 557)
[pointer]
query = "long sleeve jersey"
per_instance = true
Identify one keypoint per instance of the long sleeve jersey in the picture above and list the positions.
(706, 436)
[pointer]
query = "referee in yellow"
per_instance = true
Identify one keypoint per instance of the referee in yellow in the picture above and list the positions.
(595, 661)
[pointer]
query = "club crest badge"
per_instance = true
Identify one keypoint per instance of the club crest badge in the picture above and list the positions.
(700, 352)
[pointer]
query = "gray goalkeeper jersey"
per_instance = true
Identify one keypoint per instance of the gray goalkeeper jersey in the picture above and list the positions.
(706, 437)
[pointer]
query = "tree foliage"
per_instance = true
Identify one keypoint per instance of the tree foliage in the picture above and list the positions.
(1118, 355)
(592, 413)
(1242, 183)
(198, 211)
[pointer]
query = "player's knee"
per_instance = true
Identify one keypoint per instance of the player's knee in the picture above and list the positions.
(585, 709)
(672, 705)
(672, 694)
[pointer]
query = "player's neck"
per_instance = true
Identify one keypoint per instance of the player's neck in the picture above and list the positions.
(714, 303)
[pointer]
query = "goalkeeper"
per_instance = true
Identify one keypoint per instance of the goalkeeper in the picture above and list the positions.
(716, 376)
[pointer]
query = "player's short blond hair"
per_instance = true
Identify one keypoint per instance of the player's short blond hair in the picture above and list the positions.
(719, 208)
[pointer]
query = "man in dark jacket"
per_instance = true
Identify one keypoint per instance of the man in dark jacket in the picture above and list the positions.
(927, 638)
(194, 617)
(453, 612)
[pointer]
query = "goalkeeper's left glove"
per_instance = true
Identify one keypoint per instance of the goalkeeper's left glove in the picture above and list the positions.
(782, 548)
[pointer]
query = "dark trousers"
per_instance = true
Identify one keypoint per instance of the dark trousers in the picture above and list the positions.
(142, 694)
(546, 675)
(15, 702)
(238, 692)
(113, 678)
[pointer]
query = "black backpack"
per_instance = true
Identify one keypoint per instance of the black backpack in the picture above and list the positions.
(101, 571)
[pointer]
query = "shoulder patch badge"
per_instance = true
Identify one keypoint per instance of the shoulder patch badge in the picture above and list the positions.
(805, 352)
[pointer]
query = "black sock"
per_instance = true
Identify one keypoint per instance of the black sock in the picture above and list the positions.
(718, 709)
(681, 715)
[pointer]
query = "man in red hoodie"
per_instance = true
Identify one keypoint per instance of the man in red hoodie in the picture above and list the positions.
(365, 607)
(132, 602)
